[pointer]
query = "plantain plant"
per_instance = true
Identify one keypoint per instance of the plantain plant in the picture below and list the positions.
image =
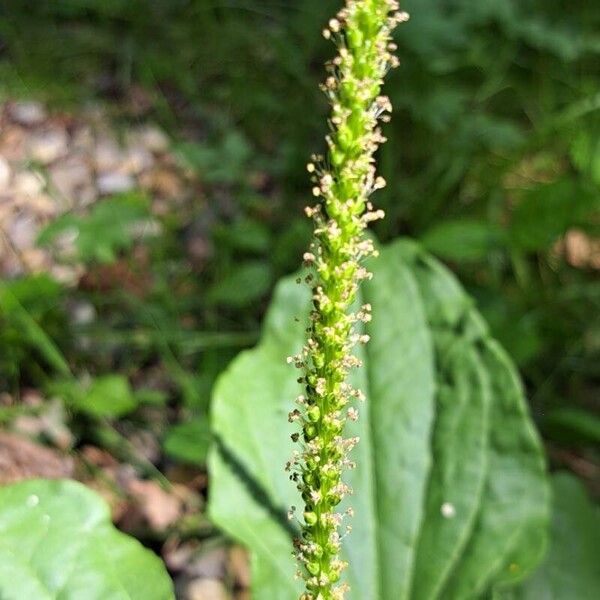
(446, 445)
(344, 180)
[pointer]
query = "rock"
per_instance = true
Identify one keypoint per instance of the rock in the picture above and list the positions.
(6, 208)
(152, 138)
(211, 564)
(206, 589)
(66, 274)
(27, 113)
(82, 312)
(12, 142)
(82, 139)
(34, 259)
(114, 183)
(23, 231)
(5, 174)
(136, 160)
(47, 146)
(28, 183)
(107, 155)
(165, 183)
(582, 251)
(50, 422)
(42, 205)
(72, 179)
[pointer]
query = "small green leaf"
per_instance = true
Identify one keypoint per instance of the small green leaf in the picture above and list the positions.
(463, 240)
(547, 211)
(57, 542)
(109, 396)
(189, 442)
(573, 425)
(585, 153)
(105, 396)
(150, 396)
(244, 284)
(244, 234)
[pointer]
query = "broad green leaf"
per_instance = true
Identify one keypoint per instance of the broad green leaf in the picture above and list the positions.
(400, 418)
(437, 387)
(571, 569)
(460, 463)
(515, 465)
(57, 542)
(516, 470)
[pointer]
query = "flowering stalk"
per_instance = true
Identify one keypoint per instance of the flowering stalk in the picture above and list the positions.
(343, 181)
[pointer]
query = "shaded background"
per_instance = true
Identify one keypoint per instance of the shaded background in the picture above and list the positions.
(493, 162)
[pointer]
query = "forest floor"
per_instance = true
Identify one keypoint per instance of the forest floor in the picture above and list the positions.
(59, 166)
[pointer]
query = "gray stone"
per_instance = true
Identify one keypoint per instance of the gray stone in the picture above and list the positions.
(47, 146)
(23, 231)
(152, 138)
(114, 183)
(206, 589)
(5, 174)
(71, 178)
(27, 113)
(28, 183)
(107, 155)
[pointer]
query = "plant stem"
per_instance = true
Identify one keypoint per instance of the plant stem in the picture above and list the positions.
(343, 181)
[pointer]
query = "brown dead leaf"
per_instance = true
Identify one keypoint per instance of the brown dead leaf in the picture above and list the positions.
(206, 589)
(20, 458)
(581, 250)
(239, 566)
(159, 508)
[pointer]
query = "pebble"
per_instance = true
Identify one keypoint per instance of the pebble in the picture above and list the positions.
(28, 183)
(76, 161)
(27, 113)
(12, 142)
(107, 155)
(4, 174)
(23, 231)
(35, 259)
(71, 177)
(114, 183)
(47, 146)
(41, 205)
(152, 138)
(136, 160)
(83, 313)
(206, 589)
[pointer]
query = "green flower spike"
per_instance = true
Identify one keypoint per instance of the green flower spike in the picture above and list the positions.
(343, 181)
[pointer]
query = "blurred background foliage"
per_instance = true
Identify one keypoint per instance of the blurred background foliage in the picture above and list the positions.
(493, 162)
